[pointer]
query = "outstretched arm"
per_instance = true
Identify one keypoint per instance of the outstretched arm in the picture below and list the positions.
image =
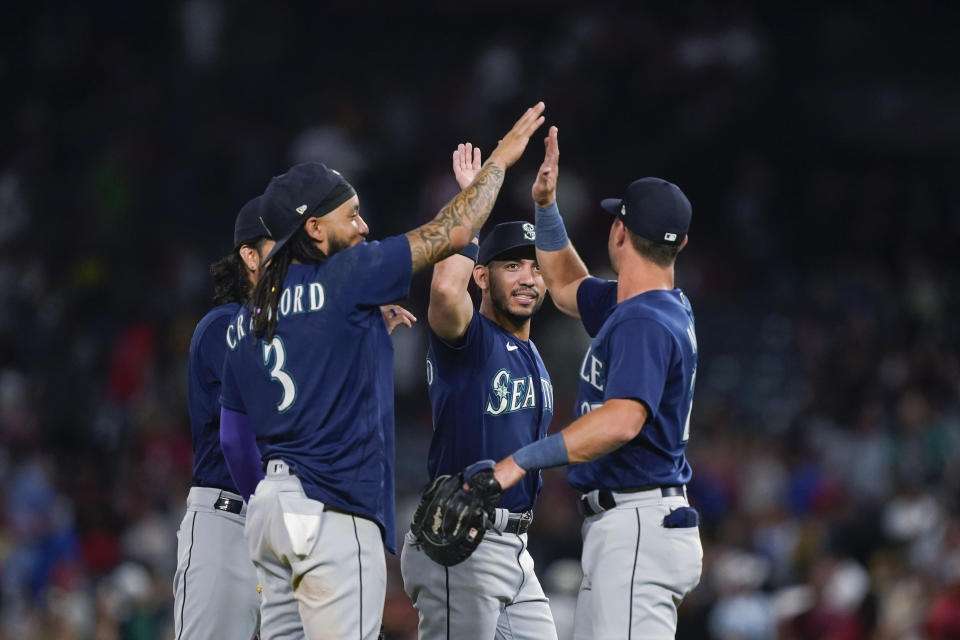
(451, 308)
(605, 429)
(561, 266)
(461, 219)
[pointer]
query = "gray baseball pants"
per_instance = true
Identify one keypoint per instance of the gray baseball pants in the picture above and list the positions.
(323, 572)
(493, 594)
(215, 585)
(635, 571)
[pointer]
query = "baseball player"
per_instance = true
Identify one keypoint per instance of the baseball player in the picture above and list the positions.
(641, 542)
(309, 373)
(215, 585)
(490, 394)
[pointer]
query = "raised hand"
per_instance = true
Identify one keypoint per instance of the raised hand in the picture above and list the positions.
(466, 163)
(512, 145)
(544, 189)
(462, 218)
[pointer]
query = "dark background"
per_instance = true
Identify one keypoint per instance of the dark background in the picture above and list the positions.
(818, 145)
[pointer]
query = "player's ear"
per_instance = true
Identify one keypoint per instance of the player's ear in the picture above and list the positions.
(315, 229)
(250, 257)
(684, 243)
(619, 233)
(481, 275)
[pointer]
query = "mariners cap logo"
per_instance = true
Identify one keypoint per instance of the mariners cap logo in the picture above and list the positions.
(301, 209)
(529, 232)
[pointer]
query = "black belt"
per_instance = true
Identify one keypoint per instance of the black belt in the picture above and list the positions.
(518, 523)
(607, 501)
(230, 505)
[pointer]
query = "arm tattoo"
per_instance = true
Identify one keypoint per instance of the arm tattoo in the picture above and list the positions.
(430, 243)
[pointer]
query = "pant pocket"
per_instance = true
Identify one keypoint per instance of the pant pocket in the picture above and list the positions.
(682, 518)
(301, 519)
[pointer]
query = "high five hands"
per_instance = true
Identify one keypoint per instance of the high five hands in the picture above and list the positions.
(544, 190)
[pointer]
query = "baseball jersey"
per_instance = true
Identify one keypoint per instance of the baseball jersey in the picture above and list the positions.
(204, 368)
(644, 348)
(319, 394)
(490, 396)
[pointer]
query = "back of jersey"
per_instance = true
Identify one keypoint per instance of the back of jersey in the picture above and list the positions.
(319, 393)
(646, 350)
(204, 368)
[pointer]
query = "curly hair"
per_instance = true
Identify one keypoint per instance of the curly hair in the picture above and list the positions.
(230, 280)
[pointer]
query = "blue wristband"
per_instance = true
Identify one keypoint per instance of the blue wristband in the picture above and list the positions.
(551, 234)
(543, 454)
(471, 251)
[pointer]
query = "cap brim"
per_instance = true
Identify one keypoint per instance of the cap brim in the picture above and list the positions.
(279, 244)
(484, 260)
(611, 205)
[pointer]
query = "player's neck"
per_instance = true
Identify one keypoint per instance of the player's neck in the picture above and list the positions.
(510, 324)
(639, 276)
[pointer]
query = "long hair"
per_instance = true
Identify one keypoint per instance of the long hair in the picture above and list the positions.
(266, 294)
(230, 280)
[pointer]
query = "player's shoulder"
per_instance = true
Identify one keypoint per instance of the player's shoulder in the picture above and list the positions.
(217, 318)
(214, 322)
(363, 252)
(653, 309)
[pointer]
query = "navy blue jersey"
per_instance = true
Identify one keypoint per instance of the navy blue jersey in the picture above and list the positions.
(204, 368)
(644, 348)
(319, 394)
(490, 396)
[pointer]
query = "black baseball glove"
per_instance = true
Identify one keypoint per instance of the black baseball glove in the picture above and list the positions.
(455, 512)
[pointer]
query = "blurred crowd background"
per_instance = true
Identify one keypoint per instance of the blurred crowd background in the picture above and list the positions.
(819, 147)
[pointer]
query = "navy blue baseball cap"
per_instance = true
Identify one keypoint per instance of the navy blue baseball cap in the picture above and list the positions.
(654, 209)
(249, 226)
(505, 237)
(306, 190)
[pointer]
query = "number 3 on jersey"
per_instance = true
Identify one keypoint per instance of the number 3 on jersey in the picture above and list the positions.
(275, 347)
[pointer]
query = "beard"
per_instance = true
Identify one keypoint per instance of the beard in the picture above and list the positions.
(335, 244)
(500, 297)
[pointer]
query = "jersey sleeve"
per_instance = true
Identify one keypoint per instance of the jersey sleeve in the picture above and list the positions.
(381, 271)
(640, 355)
(463, 354)
(596, 298)
(229, 390)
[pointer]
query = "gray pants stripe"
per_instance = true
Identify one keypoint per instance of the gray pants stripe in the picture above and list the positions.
(356, 537)
(193, 524)
(446, 574)
(633, 576)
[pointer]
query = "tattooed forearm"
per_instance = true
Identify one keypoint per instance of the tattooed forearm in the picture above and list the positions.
(458, 222)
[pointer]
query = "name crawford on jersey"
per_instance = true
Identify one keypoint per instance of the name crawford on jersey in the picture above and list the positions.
(293, 300)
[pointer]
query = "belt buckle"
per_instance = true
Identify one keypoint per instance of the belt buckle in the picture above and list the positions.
(524, 521)
(228, 505)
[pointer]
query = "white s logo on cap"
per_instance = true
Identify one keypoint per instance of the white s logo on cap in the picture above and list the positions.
(529, 232)
(301, 209)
